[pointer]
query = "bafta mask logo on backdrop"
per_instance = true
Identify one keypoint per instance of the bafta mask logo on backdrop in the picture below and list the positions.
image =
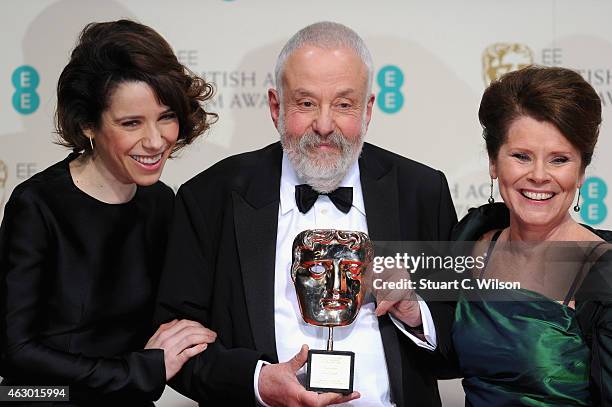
(390, 98)
(25, 81)
(593, 210)
(501, 58)
(3, 179)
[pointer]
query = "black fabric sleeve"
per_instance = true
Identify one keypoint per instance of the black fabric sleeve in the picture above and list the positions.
(24, 278)
(601, 356)
(596, 295)
(442, 360)
(447, 216)
(443, 312)
(186, 290)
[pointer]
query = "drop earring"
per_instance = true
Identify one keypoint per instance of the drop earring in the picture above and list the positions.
(577, 206)
(491, 199)
(91, 143)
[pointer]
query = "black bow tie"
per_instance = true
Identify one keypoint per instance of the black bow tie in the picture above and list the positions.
(305, 197)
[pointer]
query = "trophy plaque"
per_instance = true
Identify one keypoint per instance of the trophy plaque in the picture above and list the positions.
(328, 270)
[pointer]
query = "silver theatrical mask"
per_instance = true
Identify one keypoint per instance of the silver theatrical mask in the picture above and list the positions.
(328, 271)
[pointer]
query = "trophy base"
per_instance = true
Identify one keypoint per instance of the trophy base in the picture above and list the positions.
(330, 371)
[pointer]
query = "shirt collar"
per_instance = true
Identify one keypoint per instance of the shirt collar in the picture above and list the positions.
(289, 179)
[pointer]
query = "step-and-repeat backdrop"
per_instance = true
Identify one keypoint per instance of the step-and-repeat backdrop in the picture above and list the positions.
(432, 59)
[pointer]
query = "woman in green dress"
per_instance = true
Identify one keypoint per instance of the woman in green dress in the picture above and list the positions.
(549, 342)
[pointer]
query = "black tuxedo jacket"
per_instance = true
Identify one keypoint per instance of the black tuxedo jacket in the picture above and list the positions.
(220, 267)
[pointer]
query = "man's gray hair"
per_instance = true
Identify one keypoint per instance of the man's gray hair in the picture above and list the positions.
(327, 35)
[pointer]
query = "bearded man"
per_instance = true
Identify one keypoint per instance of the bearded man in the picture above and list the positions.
(229, 253)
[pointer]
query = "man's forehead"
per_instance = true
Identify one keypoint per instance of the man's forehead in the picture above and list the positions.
(311, 50)
(311, 62)
(341, 92)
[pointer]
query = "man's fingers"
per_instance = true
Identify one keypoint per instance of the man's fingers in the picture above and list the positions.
(299, 359)
(408, 311)
(311, 398)
(326, 399)
(383, 307)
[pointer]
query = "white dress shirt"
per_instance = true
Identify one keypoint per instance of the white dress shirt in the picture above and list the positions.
(362, 336)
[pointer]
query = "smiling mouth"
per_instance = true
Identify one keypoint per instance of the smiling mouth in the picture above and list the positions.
(537, 196)
(147, 159)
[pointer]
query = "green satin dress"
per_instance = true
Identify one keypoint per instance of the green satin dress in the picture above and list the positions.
(540, 352)
(526, 350)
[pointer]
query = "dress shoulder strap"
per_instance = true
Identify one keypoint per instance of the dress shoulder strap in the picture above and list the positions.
(590, 258)
(489, 251)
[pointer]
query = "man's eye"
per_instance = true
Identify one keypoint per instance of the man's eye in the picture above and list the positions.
(344, 105)
(307, 104)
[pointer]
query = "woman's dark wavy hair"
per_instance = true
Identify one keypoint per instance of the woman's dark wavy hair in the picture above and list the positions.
(558, 96)
(110, 53)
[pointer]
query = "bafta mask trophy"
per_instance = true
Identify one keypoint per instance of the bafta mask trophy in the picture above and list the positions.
(328, 271)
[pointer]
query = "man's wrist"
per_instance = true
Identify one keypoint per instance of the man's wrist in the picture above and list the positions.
(258, 368)
(417, 331)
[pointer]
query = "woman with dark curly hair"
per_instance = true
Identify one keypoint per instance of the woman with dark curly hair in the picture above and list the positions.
(82, 242)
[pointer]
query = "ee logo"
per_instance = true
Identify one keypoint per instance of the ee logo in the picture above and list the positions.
(25, 81)
(593, 210)
(390, 79)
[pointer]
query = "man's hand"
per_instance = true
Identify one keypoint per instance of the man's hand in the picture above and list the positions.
(278, 386)
(407, 311)
(402, 304)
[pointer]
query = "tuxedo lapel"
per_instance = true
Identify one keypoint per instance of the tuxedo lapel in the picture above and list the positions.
(380, 194)
(256, 222)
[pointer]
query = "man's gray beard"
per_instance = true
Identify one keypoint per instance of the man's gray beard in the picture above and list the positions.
(325, 172)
